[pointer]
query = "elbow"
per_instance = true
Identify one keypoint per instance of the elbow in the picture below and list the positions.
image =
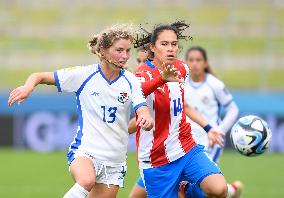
(236, 110)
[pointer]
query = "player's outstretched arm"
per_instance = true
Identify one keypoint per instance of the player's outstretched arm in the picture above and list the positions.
(144, 119)
(214, 136)
(169, 74)
(21, 93)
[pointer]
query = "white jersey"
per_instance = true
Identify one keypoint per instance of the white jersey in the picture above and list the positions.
(207, 98)
(104, 109)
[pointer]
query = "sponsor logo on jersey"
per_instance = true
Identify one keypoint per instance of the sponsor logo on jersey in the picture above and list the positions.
(123, 97)
(162, 88)
(95, 94)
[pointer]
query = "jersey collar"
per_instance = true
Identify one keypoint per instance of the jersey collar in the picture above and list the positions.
(111, 81)
(199, 84)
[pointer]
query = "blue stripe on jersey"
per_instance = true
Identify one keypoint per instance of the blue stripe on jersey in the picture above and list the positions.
(217, 154)
(228, 103)
(148, 62)
(111, 81)
(57, 81)
(84, 83)
(78, 138)
(128, 82)
(139, 105)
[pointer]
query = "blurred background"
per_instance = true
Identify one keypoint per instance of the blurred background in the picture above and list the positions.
(245, 45)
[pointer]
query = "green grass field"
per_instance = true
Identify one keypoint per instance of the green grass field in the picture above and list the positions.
(28, 174)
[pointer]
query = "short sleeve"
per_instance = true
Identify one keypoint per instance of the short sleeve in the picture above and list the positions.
(223, 95)
(138, 98)
(143, 76)
(70, 79)
(183, 68)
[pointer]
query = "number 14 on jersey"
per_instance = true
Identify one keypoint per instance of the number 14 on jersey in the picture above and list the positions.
(177, 106)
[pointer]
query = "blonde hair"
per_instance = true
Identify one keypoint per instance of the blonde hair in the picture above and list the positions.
(108, 36)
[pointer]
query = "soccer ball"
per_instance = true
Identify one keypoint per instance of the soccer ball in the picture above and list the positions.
(250, 136)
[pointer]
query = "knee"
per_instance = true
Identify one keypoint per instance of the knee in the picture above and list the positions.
(87, 182)
(219, 191)
(135, 194)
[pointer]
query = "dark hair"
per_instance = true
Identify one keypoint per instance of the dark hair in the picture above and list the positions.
(208, 69)
(142, 48)
(146, 38)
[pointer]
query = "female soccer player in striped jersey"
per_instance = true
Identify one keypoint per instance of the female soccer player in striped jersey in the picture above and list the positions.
(207, 94)
(105, 93)
(168, 154)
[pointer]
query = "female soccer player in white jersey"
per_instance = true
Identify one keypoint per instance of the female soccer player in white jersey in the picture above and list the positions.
(105, 93)
(207, 94)
(168, 154)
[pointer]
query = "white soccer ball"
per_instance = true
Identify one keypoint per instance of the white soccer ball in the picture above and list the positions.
(250, 136)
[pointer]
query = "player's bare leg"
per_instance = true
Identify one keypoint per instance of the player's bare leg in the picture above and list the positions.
(83, 172)
(138, 192)
(214, 186)
(103, 191)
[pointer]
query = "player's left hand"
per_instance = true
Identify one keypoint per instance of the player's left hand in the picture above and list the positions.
(170, 74)
(216, 137)
(145, 121)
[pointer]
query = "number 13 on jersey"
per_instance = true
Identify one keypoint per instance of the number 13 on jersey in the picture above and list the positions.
(109, 114)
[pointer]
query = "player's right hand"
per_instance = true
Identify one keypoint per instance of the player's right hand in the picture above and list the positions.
(145, 121)
(19, 94)
(215, 137)
(170, 74)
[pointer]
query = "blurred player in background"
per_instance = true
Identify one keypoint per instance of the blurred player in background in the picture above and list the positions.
(168, 154)
(105, 93)
(142, 55)
(207, 95)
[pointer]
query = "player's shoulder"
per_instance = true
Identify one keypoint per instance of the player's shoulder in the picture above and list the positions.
(180, 63)
(92, 68)
(182, 66)
(214, 81)
(145, 72)
(143, 67)
(83, 69)
(128, 74)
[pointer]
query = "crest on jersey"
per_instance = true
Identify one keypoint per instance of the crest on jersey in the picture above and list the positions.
(205, 100)
(123, 97)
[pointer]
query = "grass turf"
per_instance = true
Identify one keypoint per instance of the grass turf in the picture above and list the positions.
(28, 174)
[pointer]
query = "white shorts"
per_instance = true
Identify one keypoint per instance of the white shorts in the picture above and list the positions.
(105, 174)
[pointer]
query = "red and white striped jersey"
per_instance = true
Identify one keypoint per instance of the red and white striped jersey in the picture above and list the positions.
(171, 137)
